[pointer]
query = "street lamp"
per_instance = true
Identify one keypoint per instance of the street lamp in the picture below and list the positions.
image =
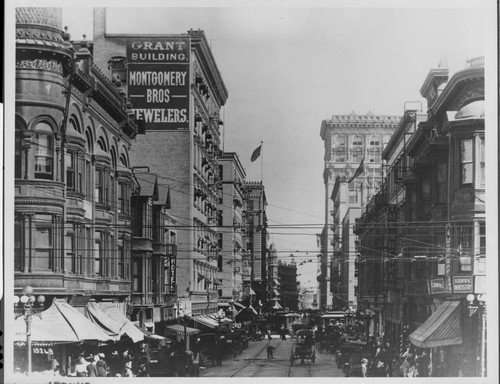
(220, 315)
(185, 315)
(25, 306)
(480, 299)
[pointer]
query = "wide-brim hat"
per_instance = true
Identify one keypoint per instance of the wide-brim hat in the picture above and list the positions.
(102, 355)
(128, 364)
(81, 360)
(364, 360)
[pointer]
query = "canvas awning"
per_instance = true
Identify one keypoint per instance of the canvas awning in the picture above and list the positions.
(442, 328)
(113, 322)
(60, 323)
(207, 321)
(223, 321)
(178, 330)
(151, 335)
(334, 315)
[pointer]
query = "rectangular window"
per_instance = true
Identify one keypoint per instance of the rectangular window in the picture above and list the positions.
(18, 245)
(70, 264)
(18, 157)
(481, 163)
(99, 188)
(42, 260)
(137, 275)
(98, 254)
(442, 184)
(43, 156)
(466, 161)
(70, 171)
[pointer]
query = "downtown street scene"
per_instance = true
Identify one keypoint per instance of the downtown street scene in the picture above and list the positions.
(249, 192)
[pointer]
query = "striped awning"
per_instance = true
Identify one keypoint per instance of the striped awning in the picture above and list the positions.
(442, 328)
(206, 320)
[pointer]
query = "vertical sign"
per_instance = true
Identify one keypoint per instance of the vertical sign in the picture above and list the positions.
(158, 81)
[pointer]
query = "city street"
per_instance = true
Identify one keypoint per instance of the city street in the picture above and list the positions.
(253, 362)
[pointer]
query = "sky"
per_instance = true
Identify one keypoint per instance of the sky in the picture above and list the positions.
(290, 65)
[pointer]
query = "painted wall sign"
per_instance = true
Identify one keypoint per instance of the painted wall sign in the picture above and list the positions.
(158, 81)
(462, 284)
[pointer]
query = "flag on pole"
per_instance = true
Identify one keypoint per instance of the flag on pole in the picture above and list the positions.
(359, 171)
(256, 153)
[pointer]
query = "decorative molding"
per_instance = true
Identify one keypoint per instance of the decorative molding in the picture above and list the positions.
(42, 64)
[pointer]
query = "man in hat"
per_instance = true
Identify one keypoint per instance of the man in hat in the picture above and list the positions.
(364, 367)
(101, 366)
(91, 367)
(81, 367)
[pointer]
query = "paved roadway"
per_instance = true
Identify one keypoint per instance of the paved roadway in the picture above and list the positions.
(253, 362)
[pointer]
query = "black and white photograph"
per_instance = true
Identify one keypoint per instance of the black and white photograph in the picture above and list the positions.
(261, 189)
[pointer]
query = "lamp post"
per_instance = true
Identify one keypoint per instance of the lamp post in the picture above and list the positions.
(473, 308)
(220, 315)
(25, 306)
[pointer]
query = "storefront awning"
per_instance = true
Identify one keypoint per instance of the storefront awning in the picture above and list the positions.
(178, 330)
(61, 323)
(334, 315)
(223, 321)
(113, 322)
(443, 328)
(150, 335)
(207, 321)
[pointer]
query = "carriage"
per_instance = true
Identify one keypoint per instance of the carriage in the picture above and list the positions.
(303, 347)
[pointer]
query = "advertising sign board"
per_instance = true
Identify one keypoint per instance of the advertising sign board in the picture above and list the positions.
(462, 284)
(158, 81)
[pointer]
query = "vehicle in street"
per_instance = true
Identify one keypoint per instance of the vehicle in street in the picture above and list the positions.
(349, 356)
(303, 347)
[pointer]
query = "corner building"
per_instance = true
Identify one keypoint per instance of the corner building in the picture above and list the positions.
(176, 92)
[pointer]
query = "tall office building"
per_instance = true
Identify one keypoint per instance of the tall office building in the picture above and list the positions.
(176, 93)
(353, 149)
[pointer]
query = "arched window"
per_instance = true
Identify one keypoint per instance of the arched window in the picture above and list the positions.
(340, 149)
(43, 142)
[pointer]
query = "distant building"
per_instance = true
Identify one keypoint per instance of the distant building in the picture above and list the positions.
(254, 262)
(176, 93)
(231, 234)
(289, 293)
(352, 142)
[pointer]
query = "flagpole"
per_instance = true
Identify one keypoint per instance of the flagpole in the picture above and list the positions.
(262, 162)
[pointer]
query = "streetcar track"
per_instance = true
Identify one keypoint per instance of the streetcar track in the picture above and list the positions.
(254, 359)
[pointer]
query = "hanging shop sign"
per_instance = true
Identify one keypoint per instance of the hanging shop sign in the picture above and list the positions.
(437, 286)
(462, 284)
(158, 81)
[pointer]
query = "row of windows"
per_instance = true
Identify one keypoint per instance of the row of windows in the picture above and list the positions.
(85, 251)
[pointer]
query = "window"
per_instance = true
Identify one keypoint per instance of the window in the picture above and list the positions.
(18, 245)
(442, 185)
(18, 163)
(121, 261)
(466, 161)
(43, 144)
(99, 192)
(70, 171)
(481, 163)
(43, 255)
(137, 275)
(98, 254)
(70, 264)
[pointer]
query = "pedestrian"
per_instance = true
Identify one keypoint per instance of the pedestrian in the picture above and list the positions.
(270, 352)
(91, 367)
(423, 364)
(127, 371)
(269, 334)
(102, 366)
(81, 367)
(364, 367)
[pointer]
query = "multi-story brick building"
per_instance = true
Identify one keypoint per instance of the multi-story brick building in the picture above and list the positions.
(230, 234)
(431, 226)
(73, 183)
(349, 140)
(176, 92)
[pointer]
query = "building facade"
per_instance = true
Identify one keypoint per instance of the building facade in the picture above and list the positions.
(176, 92)
(255, 277)
(432, 254)
(73, 182)
(289, 292)
(231, 235)
(352, 142)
